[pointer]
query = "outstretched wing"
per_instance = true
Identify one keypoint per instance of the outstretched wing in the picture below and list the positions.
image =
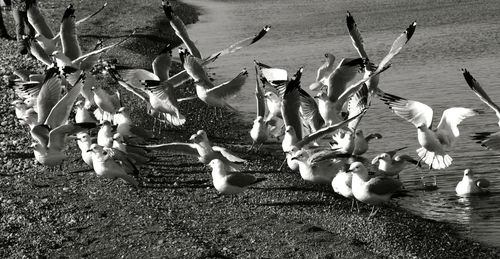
(291, 104)
(228, 154)
(49, 94)
(60, 112)
(478, 90)
(412, 111)
(231, 87)
(174, 147)
(398, 44)
(489, 140)
(357, 40)
(259, 95)
(447, 130)
(310, 111)
(57, 135)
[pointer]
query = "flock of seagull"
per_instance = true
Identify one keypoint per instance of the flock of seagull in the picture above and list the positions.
(319, 134)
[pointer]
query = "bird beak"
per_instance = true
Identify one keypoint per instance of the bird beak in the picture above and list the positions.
(89, 150)
(294, 158)
(316, 97)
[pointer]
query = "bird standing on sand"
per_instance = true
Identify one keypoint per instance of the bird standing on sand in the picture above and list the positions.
(469, 185)
(230, 182)
(373, 191)
(113, 164)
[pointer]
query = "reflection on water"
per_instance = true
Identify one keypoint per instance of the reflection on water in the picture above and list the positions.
(450, 35)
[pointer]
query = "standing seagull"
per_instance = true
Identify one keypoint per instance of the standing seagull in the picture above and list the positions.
(373, 191)
(434, 142)
(112, 163)
(230, 182)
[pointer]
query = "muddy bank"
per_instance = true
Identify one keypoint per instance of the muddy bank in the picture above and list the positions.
(177, 212)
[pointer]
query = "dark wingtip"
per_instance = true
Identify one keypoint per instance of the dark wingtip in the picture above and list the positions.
(261, 33)
(468, 77)
(167, 9)
(410, 30)
(70, 11)
(350, 21)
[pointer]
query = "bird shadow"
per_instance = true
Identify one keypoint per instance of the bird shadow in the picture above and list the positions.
(314, 188)
(295, 203)
(23, 155)
(176, 184)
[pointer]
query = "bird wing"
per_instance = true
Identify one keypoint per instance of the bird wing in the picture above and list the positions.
(310, 111)
(259, 96)
(398, 44)
(447, 130)
(135, 77)
(57, 135)
(41, 134)
(60, 112)
(406, 158)
(242, 43)
(393, 152)
(49, 94)
(195, 69)
(84, 19)
(87, 61)
(346, 71)
(478, 90)
(228, 154)
(164, 92)
(291, 104)
(174, 147)
(325, 130)
(118, 78)
(180, 28)
(357, 103)
(357, 40)
(231, 87)
(412, 111)
(383, 185)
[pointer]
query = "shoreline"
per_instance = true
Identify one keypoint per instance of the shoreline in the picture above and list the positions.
(178, 213)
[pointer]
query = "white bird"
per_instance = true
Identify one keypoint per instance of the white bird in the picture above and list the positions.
(346, 71)
(319, 166)
(105, 135)
(324, 72)
(391, 164)
(373, 191)
(209, 93)
(202, 149)
(226, 182)
(107, 103)
(342, 184)
(50, 143)
(82, 114)
(361, 142)
(469, 185)
(113, 164)
(434, 142)
(128, 130)
(84, 142)
(259, 132)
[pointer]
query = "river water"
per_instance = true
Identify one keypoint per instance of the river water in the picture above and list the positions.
(450, 35)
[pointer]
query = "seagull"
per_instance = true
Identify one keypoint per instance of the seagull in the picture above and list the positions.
(105, 135)
(107, 103)
(374, 191)
(112, 163)
(202, 149)
(69, 38)
(391, 164)
(230, 182)
(324, 72)
(127, 129)
(434, 142)
(84, 142)
(259, 132)
(361, 142)
(469, 185)
(342, 184)
(319, 167)
(357, 42)
(25, 114)
(82, 114)
(209, 93)
(50, 143)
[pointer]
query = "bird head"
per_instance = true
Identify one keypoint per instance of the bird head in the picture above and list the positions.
(359, 133)
(468, 173)
(358, 168)
(290, 130)
(271, 95)
(321, 95)
(216, 163)
(18, 103)
(421, 126)
(300, 155)
(330, 57)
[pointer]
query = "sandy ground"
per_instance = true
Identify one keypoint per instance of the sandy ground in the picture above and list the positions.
(69, 212)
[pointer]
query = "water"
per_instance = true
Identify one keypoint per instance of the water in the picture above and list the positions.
(450, 35)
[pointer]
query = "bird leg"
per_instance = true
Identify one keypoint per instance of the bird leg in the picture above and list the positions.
(435, 180)
(357, 207)
(282, 164)
(260, 146)
(251, 147)
(373, 212)
(352, 203)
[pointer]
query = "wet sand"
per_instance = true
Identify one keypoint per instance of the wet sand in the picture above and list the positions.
(176, 212)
